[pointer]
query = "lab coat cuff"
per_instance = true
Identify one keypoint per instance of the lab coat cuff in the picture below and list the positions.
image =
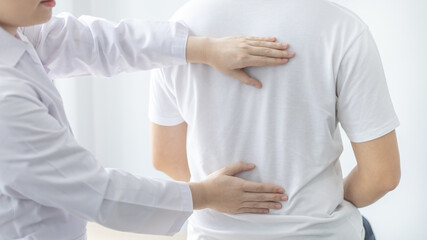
(179, 45)
(187, 208)
(187, 196)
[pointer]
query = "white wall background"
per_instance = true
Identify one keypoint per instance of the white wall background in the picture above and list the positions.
(109, 116)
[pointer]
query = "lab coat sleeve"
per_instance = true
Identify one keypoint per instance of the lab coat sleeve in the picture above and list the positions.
(41, 161)
(71, 47)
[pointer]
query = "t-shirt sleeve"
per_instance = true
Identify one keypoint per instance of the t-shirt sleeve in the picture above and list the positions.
(364, 106)
(163, 108)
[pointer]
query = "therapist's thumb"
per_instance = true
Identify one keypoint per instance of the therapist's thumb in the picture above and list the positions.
(236, 168)
(242, 76)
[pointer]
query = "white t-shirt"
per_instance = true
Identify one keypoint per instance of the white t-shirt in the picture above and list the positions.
(289, 129)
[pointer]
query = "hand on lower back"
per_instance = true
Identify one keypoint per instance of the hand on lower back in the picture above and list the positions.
(225, 193)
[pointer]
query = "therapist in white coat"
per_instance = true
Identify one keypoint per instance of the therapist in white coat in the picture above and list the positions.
(49, 185)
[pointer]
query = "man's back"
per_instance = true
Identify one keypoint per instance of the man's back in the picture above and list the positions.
(289, 128)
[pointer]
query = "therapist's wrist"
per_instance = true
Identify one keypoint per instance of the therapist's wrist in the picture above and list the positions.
(198, 49)
(198, 192)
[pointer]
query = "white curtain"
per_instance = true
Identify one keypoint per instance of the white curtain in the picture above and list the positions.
(109, 116)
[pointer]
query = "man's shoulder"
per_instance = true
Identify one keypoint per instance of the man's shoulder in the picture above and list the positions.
(239, 13)
(343, 11)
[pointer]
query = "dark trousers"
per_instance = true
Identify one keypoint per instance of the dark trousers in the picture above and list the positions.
(369, 234)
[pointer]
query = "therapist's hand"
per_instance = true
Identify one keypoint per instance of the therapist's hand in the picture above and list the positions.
(232, 54)
(225, 193)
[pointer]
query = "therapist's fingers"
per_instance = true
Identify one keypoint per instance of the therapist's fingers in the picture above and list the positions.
(271, 45)
(226, 193)
(272, 53)
(236, 168)
(265, 197)
(259, 39)
(256, 187)
(262, 205)
(253, 210)
(243, 77)
(231, 55)
(265, 61)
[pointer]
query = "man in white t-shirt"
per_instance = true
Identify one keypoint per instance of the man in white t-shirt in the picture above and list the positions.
(289, 129)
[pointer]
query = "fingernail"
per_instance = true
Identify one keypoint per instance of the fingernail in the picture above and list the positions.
(284, 198)
(292, 54)
(280, 190)
(285, 45)
(277, 206)
(265, 211)
(285, 60)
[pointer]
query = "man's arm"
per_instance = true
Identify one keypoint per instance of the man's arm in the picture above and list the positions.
(377, 171)
(168, 149)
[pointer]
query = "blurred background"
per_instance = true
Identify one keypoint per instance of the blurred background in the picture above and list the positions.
(109, 116)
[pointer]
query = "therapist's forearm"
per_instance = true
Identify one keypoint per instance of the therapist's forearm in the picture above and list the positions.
(363, 189)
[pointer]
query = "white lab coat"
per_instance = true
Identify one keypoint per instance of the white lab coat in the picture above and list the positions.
(49, 184)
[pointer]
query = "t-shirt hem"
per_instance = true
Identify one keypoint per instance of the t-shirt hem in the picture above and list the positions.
(376, 133)
(165, 121)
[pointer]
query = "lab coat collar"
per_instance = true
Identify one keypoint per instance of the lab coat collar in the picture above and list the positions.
(12, 48)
